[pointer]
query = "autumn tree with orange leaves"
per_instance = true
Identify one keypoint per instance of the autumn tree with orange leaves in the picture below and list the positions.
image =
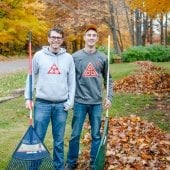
(129, 22)
(17, 18)
(145, 12)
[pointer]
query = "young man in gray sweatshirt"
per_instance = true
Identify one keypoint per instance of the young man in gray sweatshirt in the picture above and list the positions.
(53, 72)
(91, 68)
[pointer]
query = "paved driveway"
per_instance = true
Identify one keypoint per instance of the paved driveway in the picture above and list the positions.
(13, 66)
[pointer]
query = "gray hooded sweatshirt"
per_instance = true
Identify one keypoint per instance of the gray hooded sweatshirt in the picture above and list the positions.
(54, 75)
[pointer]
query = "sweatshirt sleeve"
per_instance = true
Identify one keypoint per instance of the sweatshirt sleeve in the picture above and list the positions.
(110, 93)
(71, 86)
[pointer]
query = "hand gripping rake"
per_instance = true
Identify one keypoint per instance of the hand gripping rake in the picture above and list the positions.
(31, 153)
(101, 154)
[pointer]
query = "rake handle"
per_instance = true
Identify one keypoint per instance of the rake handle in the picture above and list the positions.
(30, 75)
(108, 69)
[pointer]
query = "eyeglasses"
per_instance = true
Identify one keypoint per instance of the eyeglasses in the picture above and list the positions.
(56, 38)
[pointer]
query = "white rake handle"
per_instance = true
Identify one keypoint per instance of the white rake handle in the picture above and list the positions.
(107, 85)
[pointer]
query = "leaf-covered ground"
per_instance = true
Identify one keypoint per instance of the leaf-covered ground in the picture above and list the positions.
(133, 144)
(148, 78)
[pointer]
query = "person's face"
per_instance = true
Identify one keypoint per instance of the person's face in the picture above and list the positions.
(90, 38)
(55, 40)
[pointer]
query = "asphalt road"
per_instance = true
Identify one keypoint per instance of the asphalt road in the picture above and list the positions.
(13, 66)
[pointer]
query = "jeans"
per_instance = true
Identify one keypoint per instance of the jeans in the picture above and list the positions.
(44, 111)
(80, 111)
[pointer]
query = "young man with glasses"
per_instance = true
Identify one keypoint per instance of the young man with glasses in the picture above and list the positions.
(91, 68)
(53, 70)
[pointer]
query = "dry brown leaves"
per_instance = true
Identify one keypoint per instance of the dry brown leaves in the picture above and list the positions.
(148, 79)
(133, 144)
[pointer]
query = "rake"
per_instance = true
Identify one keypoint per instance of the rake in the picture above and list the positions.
(99, 162)
(31, 153)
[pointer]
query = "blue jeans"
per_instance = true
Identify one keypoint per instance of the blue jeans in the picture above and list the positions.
(44, 111)
(94, 112)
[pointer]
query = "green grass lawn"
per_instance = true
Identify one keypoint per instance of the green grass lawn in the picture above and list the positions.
(11, 81)
(14, 117)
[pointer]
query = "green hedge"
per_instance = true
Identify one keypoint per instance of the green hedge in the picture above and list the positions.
(155, 53)
(105, 51)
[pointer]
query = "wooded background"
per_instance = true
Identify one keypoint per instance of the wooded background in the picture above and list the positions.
(129, 22)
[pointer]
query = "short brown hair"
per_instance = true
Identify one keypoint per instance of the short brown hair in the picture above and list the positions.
(58, 30)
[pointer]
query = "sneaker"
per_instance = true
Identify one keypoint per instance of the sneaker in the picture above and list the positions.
(68, 167)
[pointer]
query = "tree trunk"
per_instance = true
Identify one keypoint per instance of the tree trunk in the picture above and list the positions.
(162, 32)
(74, 45)
(166, 30)
(145, 29)
(81, 42)
(138, 27)
(112, 25)
(130, 23)
(120, 43)
(151, 32)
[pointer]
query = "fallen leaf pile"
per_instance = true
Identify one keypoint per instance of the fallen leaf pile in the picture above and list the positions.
(133, 144)
(148, 79)
(148, 66)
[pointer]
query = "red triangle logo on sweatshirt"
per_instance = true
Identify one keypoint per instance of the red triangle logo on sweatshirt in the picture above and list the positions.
(54, 70)
(90, 71)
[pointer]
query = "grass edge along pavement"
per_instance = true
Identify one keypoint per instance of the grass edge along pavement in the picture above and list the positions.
(14, 116)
